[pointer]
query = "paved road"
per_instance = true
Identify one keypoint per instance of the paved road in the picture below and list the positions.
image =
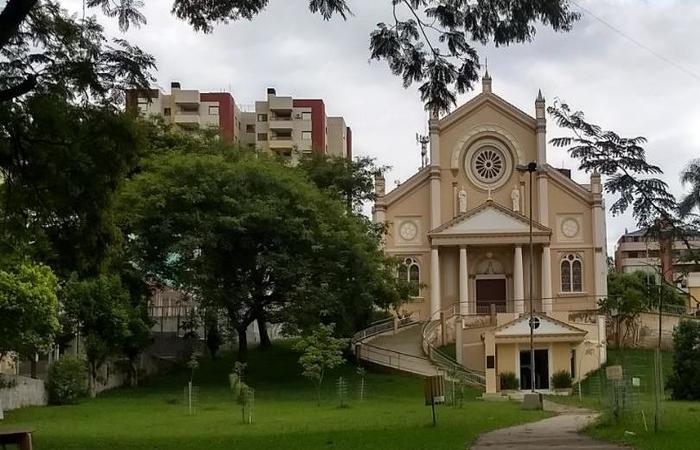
(559, 432)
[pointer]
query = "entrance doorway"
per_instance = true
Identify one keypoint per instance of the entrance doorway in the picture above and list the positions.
(541, 369)
(490, 291)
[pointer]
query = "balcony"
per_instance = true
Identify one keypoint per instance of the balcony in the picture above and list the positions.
(188, 120)
(281, 142)
(189, 97)
(281, 122)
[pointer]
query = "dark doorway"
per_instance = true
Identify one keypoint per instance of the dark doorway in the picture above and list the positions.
(541, 369)
(490, 292)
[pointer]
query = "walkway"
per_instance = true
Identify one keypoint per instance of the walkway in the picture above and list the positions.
(400, 350)
(559, 432)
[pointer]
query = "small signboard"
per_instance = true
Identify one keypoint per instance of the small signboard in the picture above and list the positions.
(636, 381)
(613, 372)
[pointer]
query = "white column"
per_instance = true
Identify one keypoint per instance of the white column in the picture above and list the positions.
(518, 280)
(542, 180)
(434, 284)
(463, 282)
(547, 300)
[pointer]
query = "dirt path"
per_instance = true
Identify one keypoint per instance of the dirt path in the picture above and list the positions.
(558, 432)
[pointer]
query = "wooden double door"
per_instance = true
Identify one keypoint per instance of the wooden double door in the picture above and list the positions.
(490, 291)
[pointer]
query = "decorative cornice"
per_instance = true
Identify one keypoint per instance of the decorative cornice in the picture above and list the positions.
(407, 186)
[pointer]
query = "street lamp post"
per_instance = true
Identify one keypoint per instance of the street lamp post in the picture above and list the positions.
(531, 168)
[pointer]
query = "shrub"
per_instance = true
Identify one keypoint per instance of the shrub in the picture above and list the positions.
(686, 361)
(561, 379)
(509, 381)
(67, 380)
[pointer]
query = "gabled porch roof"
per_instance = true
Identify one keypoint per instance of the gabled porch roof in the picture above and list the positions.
(489, 223)
(548, 330)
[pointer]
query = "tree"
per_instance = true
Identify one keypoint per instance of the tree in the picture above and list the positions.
(61, 165)
(350, 181)
(630, 294)
(430, 42)
(320, 351)
(691, 201)
(43, 49)
(99, 308)
(686, 361)
(28, 309)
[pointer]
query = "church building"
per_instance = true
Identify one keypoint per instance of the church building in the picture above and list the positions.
(461, 226)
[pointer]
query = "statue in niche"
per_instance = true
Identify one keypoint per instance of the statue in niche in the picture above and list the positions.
(515, 196)
(462, 199)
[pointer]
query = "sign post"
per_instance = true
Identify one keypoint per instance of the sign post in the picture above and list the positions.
(434, 393)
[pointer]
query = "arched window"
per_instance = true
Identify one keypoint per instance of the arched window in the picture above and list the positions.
(410, 271)
(571, 273)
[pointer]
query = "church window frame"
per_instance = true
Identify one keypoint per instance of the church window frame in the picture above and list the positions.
(571, 273)
(410, 271)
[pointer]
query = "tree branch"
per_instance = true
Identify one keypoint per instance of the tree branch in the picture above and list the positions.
(20, 89)
(12, 16)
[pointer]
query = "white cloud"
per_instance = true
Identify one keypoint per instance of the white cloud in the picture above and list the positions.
(618, 84)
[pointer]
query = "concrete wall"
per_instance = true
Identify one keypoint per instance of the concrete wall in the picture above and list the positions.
(26, 392)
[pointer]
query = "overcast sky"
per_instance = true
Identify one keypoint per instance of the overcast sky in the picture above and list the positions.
(618, 84)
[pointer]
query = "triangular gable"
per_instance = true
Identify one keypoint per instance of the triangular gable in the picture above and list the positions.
(548, 326)
(489, 217)
(494, 100)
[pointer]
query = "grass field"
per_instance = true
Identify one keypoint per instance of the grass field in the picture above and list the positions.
(679, 421)
(393, 415)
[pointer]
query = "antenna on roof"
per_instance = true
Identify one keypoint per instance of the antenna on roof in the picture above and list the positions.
(423, 140)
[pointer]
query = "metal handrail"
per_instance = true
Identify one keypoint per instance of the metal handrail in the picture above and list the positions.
(443, 361)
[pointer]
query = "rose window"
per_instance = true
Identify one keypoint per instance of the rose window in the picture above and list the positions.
(488, 164)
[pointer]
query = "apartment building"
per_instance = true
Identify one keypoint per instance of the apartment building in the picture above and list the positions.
(637, 251)
(291, 127)
(283, 125)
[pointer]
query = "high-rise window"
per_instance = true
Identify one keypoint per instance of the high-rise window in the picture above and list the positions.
(262, 136)
(213, 110)
(306, 116)
(262, 117)
(305, 135)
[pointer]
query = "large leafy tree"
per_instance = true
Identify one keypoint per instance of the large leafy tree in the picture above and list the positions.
(28, 309)
(61, 165)
(430, 42)
(253, 238)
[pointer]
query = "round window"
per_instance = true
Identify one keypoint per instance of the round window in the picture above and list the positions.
(488, 164)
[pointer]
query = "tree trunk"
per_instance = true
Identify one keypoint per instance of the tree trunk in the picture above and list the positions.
(92, 385)
(33, 370)
(264, 336)
(242, 344)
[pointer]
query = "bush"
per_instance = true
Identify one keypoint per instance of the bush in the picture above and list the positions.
(509, 382)
(67, 380)
(561, 379)
(686, 361)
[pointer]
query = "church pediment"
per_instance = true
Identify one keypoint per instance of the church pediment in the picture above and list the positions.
(544, 326)
(489, 218)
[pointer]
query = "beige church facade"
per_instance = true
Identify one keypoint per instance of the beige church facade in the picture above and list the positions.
(461, 226)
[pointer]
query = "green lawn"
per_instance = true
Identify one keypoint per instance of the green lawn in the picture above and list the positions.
(286, 416)
(680, 421)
